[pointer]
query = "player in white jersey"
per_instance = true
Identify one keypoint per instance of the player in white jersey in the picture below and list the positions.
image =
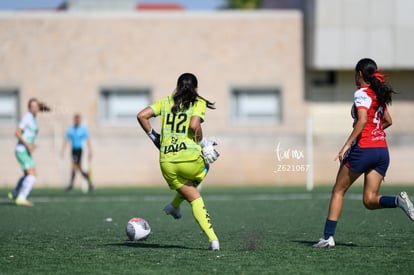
(26, 134)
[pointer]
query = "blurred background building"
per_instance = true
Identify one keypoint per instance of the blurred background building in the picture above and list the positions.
(271, 71)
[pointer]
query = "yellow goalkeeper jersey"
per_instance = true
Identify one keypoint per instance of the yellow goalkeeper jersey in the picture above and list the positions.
(177, 140)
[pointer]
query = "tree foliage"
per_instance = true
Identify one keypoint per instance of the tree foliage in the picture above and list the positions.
(243, 4)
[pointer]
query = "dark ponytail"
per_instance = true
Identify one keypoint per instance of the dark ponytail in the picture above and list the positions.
(42, 106)
(186, 93)
(371, 75)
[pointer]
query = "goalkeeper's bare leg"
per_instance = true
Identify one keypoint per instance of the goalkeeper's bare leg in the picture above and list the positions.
(173, 208)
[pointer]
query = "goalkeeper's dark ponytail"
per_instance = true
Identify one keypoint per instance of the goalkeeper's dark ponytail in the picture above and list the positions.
(186, 93)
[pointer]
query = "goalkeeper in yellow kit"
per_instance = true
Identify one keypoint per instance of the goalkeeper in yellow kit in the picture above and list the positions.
(184, 154)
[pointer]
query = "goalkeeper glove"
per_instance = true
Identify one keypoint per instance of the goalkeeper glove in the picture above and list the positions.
(208, 152)
(155, 137)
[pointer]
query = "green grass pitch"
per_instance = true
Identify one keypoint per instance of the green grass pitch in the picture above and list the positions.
(265, 230)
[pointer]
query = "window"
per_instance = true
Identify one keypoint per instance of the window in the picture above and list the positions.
(328, 86)
(258, 105)
(119, 106)
(9, 106)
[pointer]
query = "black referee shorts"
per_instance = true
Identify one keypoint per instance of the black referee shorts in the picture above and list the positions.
(77, 156)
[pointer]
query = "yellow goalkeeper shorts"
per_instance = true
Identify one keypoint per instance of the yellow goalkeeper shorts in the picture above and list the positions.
(178, 174)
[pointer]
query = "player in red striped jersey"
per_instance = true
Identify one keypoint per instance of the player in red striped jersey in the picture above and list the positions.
(365, 151)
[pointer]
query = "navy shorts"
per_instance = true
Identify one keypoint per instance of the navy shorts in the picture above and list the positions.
(362, 160)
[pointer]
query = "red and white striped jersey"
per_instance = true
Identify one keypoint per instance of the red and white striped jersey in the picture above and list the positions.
(372, 136)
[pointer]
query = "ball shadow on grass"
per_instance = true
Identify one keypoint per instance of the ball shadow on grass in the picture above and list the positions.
(149, 245)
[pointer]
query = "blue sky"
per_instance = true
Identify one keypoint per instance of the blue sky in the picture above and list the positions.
(48, 4)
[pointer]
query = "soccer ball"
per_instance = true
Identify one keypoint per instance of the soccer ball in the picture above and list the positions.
(137, 229)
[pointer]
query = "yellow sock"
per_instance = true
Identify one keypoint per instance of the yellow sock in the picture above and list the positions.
(203, 218)
(177, 201)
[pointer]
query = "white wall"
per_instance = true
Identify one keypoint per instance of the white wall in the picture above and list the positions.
(342, 31)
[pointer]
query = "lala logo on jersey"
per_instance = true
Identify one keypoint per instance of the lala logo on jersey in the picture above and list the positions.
(174, 147)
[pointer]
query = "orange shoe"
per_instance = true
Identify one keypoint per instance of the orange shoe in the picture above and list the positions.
(24, 203)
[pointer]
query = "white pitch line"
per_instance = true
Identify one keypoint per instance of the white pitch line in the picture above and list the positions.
(163, 198)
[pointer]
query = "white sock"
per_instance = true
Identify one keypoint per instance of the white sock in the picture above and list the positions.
(26, 187)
